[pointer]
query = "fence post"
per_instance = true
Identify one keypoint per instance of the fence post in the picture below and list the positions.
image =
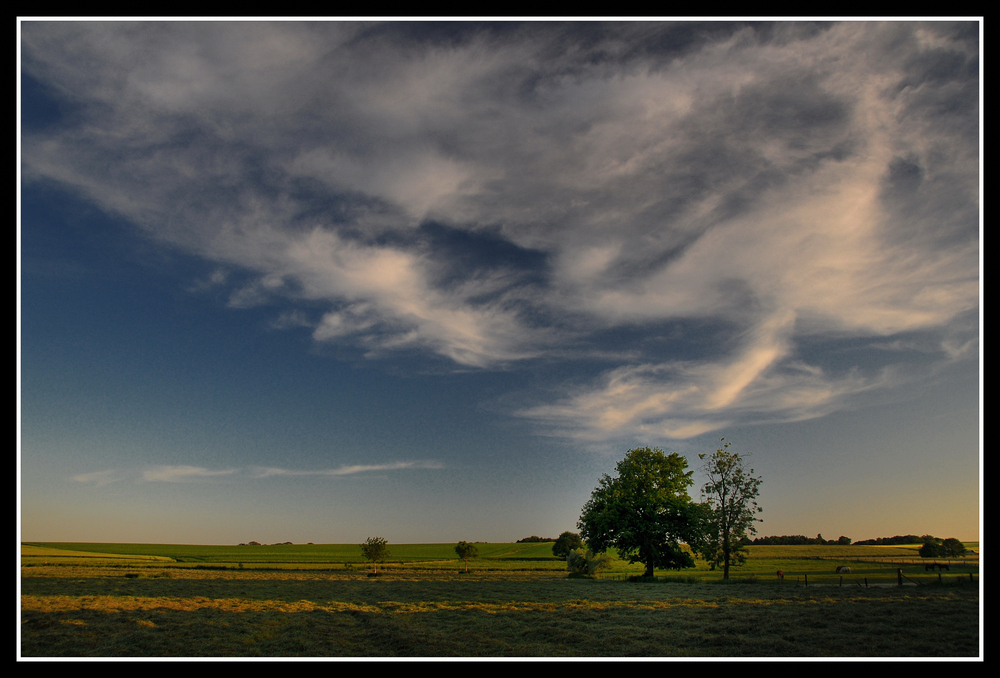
(807, 580)
(899, 576)
(841, 580)
(866, 582)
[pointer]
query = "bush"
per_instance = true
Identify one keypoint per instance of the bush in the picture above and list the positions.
(580, 561)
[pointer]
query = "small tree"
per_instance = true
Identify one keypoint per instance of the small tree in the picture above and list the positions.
(465, 550)
(931, 547)
(375, 549)
(566, 542)
(731, 499)
(930, 550)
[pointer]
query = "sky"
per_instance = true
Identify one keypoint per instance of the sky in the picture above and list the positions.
(321, 281)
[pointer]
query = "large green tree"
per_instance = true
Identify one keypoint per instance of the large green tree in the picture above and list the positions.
(730, 497)
(645, 512)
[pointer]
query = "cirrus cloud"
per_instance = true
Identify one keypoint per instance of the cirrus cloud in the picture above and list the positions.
(173, 474)
(793, 181)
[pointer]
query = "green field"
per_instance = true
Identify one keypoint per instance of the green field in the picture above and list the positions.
(110, 600)
(534, 556)
(816, 562)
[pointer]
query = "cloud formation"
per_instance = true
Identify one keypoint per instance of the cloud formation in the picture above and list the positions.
(97, 478)
(174, 474)
(493, 194)
(182, 473)
(267, 472)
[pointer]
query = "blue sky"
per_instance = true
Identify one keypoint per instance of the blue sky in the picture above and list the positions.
(321, 281)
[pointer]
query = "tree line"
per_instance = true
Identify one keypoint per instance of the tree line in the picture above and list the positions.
(799, 540)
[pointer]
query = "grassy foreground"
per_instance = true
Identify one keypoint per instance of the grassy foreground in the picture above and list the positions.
(140, 608)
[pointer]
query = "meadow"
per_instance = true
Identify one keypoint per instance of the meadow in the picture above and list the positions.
(142, 600)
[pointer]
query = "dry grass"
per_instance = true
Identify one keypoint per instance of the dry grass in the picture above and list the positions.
(98, 612)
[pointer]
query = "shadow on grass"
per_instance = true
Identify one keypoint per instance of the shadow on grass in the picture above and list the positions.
(243, 615)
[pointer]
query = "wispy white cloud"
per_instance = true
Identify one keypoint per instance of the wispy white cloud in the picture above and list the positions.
(98, 478)
(762, 382)
(181, 473)
(389, 290)
(293, 318)
(683, 401)
(172, 474)
(266, 472)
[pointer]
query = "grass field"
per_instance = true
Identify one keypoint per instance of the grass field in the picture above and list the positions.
(517, 601)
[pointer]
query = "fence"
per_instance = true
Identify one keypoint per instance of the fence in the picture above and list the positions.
(896, 560)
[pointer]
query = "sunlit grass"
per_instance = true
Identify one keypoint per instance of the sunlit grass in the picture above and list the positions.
(45, 553)
(536, 553)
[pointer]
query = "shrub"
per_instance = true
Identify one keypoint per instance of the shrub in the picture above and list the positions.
(580, 561)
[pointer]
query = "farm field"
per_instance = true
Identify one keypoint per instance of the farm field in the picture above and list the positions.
(112, 604)
(505, 556)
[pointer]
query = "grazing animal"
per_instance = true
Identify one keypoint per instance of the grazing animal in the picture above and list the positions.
(843, 569)
(944, 567)
(930, 566)
(781, 575)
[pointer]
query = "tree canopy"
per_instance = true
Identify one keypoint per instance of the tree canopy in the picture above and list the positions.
(375, 549)
(645, 512)
(953, 548)
(937, 548)
(465, 550)
(567, 541)
(731, 502)
(930, 550)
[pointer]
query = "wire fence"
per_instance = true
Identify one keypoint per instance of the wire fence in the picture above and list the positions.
(807, 580)
(896, 560)
(887, 571)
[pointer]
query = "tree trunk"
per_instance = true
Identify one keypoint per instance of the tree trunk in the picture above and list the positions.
(649, 570)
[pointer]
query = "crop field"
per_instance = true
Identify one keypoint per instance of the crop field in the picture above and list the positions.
(114, 600)
(433, 556)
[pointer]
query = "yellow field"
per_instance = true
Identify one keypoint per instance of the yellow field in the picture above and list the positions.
(33, 554)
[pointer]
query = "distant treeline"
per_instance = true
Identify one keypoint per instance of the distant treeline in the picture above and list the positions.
(800, 540)
(898, 539)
